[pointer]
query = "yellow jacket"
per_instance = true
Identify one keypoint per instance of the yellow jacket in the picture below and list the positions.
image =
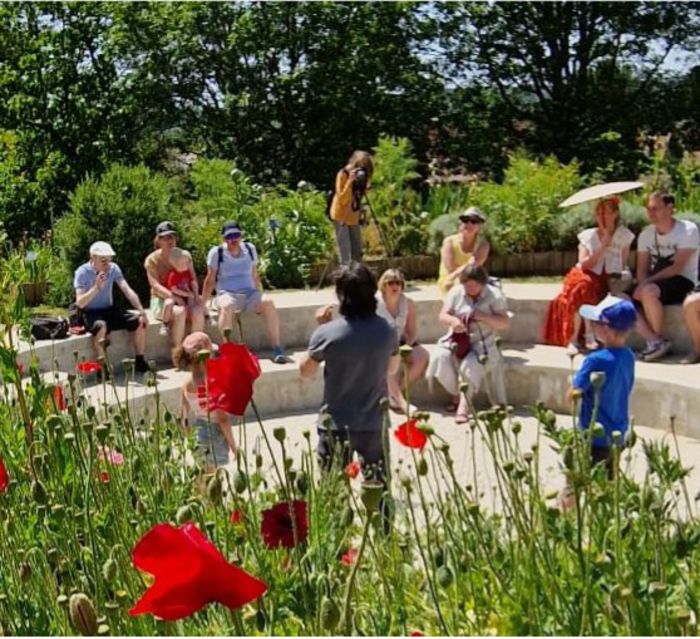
(342, 209)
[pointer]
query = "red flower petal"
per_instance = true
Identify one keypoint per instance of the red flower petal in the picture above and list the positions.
(4, 477)
(104, 477)
(59, 398)
(189, 574)
(353, 469)
(236, 517)
(348, 559)
(88, 367)
(411, 436)
(278, 527)
(415, 633)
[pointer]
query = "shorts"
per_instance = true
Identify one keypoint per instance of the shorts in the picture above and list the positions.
(242, 301)
(674, 289)
(116, 319)
(212, 447)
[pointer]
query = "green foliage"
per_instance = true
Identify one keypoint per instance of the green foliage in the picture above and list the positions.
(123, 207)
(397, 205)
(522, 210)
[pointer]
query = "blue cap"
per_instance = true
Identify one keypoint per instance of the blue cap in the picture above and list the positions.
(617, 313)
(231, 229)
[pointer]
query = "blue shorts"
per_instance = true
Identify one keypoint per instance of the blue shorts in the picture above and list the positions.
(212, 448)
(242, 300)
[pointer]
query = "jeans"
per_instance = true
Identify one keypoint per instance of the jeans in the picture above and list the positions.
(349, 239)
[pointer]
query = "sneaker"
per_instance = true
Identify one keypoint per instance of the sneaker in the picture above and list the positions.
(163, 330)
(140, 365)
(279, 356)
(693, 358)
(658, 351)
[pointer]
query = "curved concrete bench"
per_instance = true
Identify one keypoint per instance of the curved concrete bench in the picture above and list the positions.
(533, 373)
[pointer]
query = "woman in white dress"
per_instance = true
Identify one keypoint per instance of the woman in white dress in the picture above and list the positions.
(399, 310)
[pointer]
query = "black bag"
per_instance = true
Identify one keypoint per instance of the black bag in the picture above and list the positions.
(46, 327)
(659, 262)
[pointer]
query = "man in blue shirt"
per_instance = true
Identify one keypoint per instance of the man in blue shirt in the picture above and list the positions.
(232, 269)
(94, 282)
(608, 371)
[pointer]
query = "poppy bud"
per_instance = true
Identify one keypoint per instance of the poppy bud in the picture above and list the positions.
(183, 515)
(632, 438)
(508, 467)
(214, 489)
(616, 436)
(597, 379)
(306, 434)
(301, 483)
(598, 431)
(102, 432)
(109, 570)
(260, 620)
(517, 428)
(240, 482)
(128, 365)
(347, 517)
(330, 614)
(405, 351)
(444, 576)
(39, 492)
(280, 434)
(422, 467)
(569, 458)
(371, 494)
(25, 572)
(425, 428)
(82, 614)
(528, 457)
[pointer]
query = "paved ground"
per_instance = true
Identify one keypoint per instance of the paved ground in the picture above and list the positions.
(458, 436)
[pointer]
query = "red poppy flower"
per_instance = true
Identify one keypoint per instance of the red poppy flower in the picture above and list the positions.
(59, 397)
(88, 367)
(236, 517)
(189, 573)
(104, 477)
(415, 633)
(230, 378)
(348, 559)
(352, 470)
(4, 477)
(278, 527)
(21, 368)
(410, 435)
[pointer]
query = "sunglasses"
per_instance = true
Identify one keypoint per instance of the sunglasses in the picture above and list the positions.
(472, 220)
(392, 282)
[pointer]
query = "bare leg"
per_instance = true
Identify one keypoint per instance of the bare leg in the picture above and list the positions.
(97, 340)
(140, 340)
(166, 315)
(178, 324)
(691, 314)
(267, 309)
(226, 309)
(419, 362)
(197, 318)
(649, 295)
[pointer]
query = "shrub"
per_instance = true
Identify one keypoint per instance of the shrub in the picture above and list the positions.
(523, 209)
(123, 208)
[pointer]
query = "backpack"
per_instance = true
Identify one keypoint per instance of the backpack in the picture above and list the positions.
(46, 327)
(220, 259)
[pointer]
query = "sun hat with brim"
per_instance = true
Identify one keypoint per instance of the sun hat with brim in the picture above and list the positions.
(166, 228)
(615, 312)
(198, 341)
(101, 249)
(472, 214)
(231, 229)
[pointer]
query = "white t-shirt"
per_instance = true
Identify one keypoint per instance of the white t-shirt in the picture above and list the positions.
(612, 258)
(683, 235)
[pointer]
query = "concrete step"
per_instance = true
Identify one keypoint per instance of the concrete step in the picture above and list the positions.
(533, 373)
(528, 302)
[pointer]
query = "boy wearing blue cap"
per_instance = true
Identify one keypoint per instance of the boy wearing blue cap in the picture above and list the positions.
(612, 319)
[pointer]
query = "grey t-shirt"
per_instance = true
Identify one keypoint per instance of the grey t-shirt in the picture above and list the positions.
(356, 353)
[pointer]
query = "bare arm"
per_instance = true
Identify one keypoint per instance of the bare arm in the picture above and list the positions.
(256, 278)
(208, 285)
(642, 266)
(679, 262)
(84, 296)
(394, 363)
(162, 291)
(134, 300)
(308, 366)
(482, 253)
(450, 320)
(498, 321)
(409, 333)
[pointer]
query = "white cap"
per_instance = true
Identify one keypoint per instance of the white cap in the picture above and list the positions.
(101, 249)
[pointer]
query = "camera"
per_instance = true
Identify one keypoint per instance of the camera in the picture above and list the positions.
(359, 185)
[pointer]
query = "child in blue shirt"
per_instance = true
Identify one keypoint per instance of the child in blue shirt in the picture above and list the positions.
(612, 320)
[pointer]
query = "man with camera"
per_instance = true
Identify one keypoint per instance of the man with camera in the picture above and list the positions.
(667, 270)
(94, 282)
(351, 184)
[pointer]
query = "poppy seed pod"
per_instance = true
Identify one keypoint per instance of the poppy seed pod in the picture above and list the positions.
(422, 467)
(657, 589)
(405, 351)
(439, 556)
(279, 433)
(517, 428)
(330, 614)
(371, 494)
(214, 489)
(203, 355)
(598, 431)
(463, 387)
(82, 614)
(616, 436)
(301, 483)
(384, 404)
(240, 482)
(426, 428)
(258, 460)
(576, 394)
(597, 379)
(444, 576)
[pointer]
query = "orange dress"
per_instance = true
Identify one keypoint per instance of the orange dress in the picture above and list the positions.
(580, 287)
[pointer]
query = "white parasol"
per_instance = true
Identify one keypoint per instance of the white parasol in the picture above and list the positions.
(600, 191)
